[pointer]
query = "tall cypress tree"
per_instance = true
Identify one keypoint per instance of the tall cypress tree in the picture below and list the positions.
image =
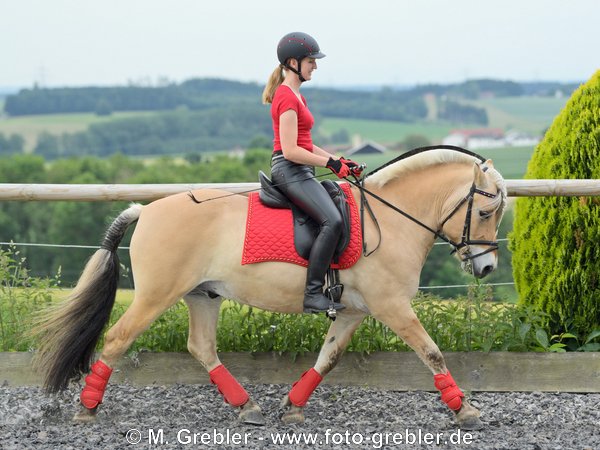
(556, 240)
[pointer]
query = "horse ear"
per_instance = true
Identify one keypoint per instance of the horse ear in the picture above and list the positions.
(489, 163)
(480, 178)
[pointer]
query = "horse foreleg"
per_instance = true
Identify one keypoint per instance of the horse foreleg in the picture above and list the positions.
(339, 334)
(202, 344)
(406, 324)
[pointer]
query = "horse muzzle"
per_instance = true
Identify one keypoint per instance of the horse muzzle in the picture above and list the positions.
(478, 260)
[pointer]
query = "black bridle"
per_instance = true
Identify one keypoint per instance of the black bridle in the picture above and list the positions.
(462, 247)
(466, 241)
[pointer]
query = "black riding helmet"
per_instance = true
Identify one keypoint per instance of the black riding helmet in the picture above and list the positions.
(297, 45)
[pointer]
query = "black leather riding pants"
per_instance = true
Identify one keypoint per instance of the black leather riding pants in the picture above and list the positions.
(297, 182)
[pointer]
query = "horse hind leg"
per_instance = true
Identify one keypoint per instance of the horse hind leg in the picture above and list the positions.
(339, 334)
(202, 344)
(136, 319)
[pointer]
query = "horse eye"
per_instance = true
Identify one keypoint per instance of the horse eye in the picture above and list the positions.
(484, 215)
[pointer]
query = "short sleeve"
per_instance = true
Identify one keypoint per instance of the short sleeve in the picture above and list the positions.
(286, 101)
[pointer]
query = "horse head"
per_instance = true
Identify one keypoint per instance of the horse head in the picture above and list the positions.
(457, 196)
(471, 223)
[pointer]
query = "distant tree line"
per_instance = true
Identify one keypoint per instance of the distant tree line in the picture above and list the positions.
(11, 144)
(455, 112)
(209, 94)
(194, 94)
(473, 89)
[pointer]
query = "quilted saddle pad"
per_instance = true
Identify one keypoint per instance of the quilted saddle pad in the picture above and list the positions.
(270, 234)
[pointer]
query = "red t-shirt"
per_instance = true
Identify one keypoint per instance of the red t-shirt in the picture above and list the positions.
(284, 100)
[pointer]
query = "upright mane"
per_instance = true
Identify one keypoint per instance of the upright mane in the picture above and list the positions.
(418, 162)
(434, 157)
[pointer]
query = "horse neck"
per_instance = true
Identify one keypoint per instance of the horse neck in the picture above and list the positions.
(428, 195)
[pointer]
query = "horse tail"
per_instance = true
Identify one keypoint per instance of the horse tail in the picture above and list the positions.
(69, 332)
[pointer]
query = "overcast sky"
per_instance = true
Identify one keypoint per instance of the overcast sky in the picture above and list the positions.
(367, 42)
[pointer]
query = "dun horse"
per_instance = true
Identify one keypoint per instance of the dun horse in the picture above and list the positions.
(181, 249)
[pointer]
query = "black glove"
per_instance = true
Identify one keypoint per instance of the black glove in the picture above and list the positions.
(355, 168)
(338, 167)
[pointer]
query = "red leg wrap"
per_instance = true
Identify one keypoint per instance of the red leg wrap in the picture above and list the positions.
(451, 394)
(95, 384)
(232, 391)
(305, 386)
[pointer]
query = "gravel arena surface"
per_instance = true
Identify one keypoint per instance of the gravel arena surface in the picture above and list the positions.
(336, 417)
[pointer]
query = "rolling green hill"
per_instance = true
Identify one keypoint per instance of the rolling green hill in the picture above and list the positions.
(30, 127)
(528, 113)
(386, 116)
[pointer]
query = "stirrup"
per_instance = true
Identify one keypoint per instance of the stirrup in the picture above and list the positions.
(326, 305)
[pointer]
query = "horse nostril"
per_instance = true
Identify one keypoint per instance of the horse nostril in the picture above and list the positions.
(487, 270)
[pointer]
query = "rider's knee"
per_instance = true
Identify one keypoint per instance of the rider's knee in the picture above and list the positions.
(334, 223)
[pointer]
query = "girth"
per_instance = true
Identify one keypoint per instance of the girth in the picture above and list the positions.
(306, 229)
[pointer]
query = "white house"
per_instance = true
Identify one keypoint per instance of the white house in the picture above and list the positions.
(476, 138)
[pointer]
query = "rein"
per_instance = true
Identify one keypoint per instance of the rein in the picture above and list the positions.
(465, 241)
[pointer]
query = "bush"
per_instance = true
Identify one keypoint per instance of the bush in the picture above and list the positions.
(556, 257)
(20, 295)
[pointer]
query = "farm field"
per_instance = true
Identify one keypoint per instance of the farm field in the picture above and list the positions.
(528, 114)
(31, 126)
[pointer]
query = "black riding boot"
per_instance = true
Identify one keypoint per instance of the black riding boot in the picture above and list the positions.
(298, 183)
(314, 299)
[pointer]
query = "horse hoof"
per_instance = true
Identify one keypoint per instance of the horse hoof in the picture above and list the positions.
(471, 424)
(251, 414)
(85, 415)
(294, 414)
(468, 417)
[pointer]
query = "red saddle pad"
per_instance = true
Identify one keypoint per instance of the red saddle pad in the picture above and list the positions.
(270, 234)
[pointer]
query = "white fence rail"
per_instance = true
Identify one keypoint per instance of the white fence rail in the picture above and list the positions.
(149, 192)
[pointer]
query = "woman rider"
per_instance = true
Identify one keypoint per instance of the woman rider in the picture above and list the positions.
(295, 155)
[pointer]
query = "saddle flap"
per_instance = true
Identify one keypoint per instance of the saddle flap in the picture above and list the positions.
(270, 195)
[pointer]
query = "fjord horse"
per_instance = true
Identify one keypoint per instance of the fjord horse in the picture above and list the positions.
(181, 249)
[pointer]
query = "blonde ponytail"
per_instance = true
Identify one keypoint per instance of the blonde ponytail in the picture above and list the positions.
(275, 80)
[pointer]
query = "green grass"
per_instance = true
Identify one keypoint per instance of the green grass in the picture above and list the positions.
(529, 114)
(511, 162)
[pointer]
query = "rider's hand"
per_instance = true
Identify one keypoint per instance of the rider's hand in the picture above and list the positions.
(355, 168)
(338, 167)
